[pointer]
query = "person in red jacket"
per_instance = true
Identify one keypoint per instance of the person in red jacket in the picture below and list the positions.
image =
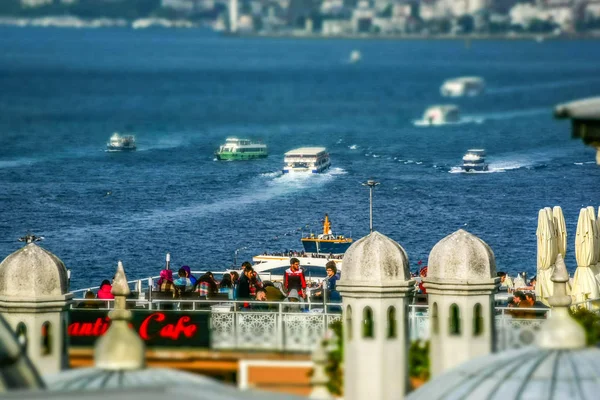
(294, 278)
(105, 290)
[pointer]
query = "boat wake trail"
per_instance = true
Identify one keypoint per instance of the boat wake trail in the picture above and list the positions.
(263, 188)
(463, 120)
(164, 143)
(491, 170)
(19, 162)
(541, 86)
(511, 114)
(514, 161)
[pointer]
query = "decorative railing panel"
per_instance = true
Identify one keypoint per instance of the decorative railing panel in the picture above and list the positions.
(257, 330)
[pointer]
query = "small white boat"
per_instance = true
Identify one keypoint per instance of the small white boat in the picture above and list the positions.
(440, 115)
(355, 57)
(306, 160)
(119, 142)
(463, 86)
(474, 161)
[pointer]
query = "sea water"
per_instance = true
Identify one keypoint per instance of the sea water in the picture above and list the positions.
(63, 92)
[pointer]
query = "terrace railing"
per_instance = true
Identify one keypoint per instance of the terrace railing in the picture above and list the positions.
(297, 327)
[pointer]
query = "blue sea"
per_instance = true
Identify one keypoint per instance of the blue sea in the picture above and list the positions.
(63, 92)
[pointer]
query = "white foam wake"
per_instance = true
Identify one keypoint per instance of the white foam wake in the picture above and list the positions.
(540, 86)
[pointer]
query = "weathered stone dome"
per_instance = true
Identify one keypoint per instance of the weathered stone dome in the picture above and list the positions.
(558, 366)
(461, 256)
(32, 272)
(530, 373)
(375, 259)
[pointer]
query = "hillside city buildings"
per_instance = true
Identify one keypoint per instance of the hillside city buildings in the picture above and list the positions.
(343, 17)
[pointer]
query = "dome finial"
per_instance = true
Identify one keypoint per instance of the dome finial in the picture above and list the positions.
(120, 348)
(30, 238)
(561, 331)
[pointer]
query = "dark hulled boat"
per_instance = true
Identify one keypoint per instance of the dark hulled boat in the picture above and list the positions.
(327, 242)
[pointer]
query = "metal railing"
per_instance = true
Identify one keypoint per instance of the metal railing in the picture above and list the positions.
(298, 326)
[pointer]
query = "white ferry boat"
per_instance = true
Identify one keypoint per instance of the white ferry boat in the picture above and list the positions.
(241, 149)
(441, 114)
(306, 160)
(463, 86)
(272, 267)
(474, 160)
(121, 143)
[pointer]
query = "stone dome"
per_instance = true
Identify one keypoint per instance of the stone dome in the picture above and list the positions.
(559, 366)
(151, 383)
(375, 259)
(461, 256)
(32, 272)
(531, 372)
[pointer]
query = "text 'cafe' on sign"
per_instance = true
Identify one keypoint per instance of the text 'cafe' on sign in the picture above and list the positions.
(156, 328)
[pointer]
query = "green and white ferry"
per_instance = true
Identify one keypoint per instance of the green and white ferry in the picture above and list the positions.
(241, 149)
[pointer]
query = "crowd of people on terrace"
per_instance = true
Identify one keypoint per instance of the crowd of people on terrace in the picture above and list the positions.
(246, 285)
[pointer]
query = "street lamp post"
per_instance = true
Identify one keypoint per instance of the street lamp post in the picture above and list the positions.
(371, 184)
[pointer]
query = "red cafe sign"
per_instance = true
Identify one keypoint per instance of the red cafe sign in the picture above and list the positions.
(158, 327)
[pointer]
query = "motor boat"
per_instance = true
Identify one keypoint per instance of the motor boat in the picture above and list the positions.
(463, 86)
(474, 161)
(119, 142)
(327, 242)
(441, 114)
(355, 56)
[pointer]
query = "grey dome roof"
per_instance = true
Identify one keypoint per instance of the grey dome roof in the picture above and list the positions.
(163, 383)
(461, 256)
(32, 272)
(375, 258)
(531, 372)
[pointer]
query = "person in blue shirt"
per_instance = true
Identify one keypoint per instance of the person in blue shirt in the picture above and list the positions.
(329, 284)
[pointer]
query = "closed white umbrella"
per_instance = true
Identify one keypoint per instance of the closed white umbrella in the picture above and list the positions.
(519, 282)
(553, 245)
(561, 230)
(508, 282)
(585, 286)
(547, 250)
(596, 234)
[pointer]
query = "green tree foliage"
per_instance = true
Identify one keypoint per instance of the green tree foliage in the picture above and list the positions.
(591, 323)
(335, 359)
(418, 360)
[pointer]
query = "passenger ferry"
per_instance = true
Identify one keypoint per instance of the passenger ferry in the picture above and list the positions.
(121, 143)
(474, 160)
(241, 149)
(441, 114)
(463, 86)
(326, 242)
(306, 160)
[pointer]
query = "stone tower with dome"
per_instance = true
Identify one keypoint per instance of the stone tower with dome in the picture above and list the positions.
(461, 282)
(376, 289)
(558, 366)
(34, 300)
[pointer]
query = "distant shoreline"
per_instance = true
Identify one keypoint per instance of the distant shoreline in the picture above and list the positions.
(463, 37)
(145, 23)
